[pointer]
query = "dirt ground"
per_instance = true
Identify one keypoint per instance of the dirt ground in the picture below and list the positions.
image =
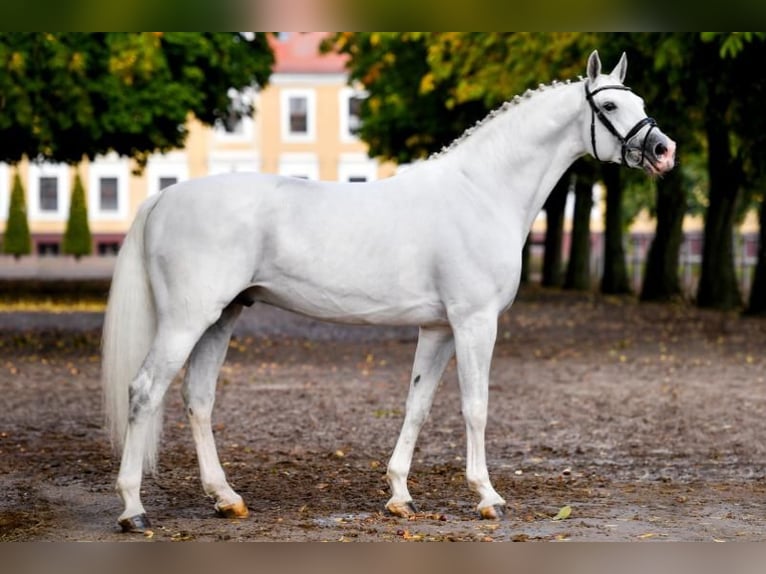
(647, 421)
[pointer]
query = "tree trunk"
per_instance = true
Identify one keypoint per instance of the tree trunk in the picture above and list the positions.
(718, 281)
(661, 279)
(525, 261)
(757, 303)
(578, 268)
(554, 232)
(615, 278)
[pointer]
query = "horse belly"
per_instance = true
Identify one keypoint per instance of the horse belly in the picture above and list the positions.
(356, 288)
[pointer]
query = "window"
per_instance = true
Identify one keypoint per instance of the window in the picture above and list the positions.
(302, 165)
(108, 180)
(299, 118)
(164, 170)
(298, 115)
(357, 167)
(5, 191)
(49, 194)
(167, 182)
(106, 248)
(233, 161)
(354, 113)
(48, 248)
(351, 113)
(108, 194)
(49, 191)
(237, 126)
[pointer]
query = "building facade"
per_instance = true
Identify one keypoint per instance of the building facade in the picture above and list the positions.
(304, 126)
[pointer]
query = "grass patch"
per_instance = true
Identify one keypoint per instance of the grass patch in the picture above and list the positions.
(53, 296)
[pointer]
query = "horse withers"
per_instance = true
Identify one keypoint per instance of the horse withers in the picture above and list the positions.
(438, 246)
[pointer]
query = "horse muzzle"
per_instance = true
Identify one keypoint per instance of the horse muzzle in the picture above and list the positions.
(656, 154)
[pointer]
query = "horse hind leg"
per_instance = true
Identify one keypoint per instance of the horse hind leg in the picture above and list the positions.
(199, 397)
(435, 349)
(169, 350)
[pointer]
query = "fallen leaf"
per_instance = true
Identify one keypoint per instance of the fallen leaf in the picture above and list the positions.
(563, 513)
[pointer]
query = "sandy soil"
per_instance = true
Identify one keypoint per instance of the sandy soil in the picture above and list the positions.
(646, 421)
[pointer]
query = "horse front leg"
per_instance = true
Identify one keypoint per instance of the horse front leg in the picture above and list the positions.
(475, 341)
(199, 397)
(435, 348)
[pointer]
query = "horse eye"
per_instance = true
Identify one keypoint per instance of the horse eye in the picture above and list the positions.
(610, 106)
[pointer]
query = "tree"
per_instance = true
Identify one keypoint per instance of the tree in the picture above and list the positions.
(743, 52)
(671, 89)
(614, 281)
(734, 128)
(757, 303)
(661, 277)
(17, 241)
(554, 231)
(578, 267)
(77, 239)
(69, 95)
(403, 118)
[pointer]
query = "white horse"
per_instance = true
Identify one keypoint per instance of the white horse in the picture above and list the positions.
(438, 246)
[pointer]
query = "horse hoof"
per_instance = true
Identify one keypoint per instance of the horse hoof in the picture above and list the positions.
(235, 510)
(138, 523)
(402, 509)
(494, 512)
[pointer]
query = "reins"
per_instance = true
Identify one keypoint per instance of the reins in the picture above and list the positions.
(596, 111)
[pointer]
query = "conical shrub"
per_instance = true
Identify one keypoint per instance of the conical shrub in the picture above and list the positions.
(77, 238)
(17, 241)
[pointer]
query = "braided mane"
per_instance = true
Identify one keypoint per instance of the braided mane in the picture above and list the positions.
(500, 110)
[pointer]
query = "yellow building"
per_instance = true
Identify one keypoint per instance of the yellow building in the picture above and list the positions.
(303, 126)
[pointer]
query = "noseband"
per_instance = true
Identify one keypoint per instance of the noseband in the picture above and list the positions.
(596, 111)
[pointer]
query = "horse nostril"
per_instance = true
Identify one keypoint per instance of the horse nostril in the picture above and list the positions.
(660, 149)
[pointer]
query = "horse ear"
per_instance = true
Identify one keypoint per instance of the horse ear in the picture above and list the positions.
(620, 69)
(594, 66)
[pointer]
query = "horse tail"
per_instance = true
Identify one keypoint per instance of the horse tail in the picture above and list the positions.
(129, 327)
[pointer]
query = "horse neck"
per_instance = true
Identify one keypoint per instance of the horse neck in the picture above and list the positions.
(518, 156)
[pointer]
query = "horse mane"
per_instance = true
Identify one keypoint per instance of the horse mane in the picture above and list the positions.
(500, 110)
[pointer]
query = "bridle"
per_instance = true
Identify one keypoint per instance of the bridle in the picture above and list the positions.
(596, 111)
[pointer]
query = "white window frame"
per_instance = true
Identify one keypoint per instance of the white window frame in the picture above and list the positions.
(5, 191)
(311, 112)
(344, 97)
(299, 165)
(173, 164)
(248, 124)
(233, 161)
(60, 171)
(356, 164)
(108, 166)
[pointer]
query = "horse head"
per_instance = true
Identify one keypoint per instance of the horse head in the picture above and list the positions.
(618, 128)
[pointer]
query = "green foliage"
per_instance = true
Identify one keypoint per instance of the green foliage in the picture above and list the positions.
(69, 95)
(17, 240)
(732, 43)
(403, 120)
(77, 239)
